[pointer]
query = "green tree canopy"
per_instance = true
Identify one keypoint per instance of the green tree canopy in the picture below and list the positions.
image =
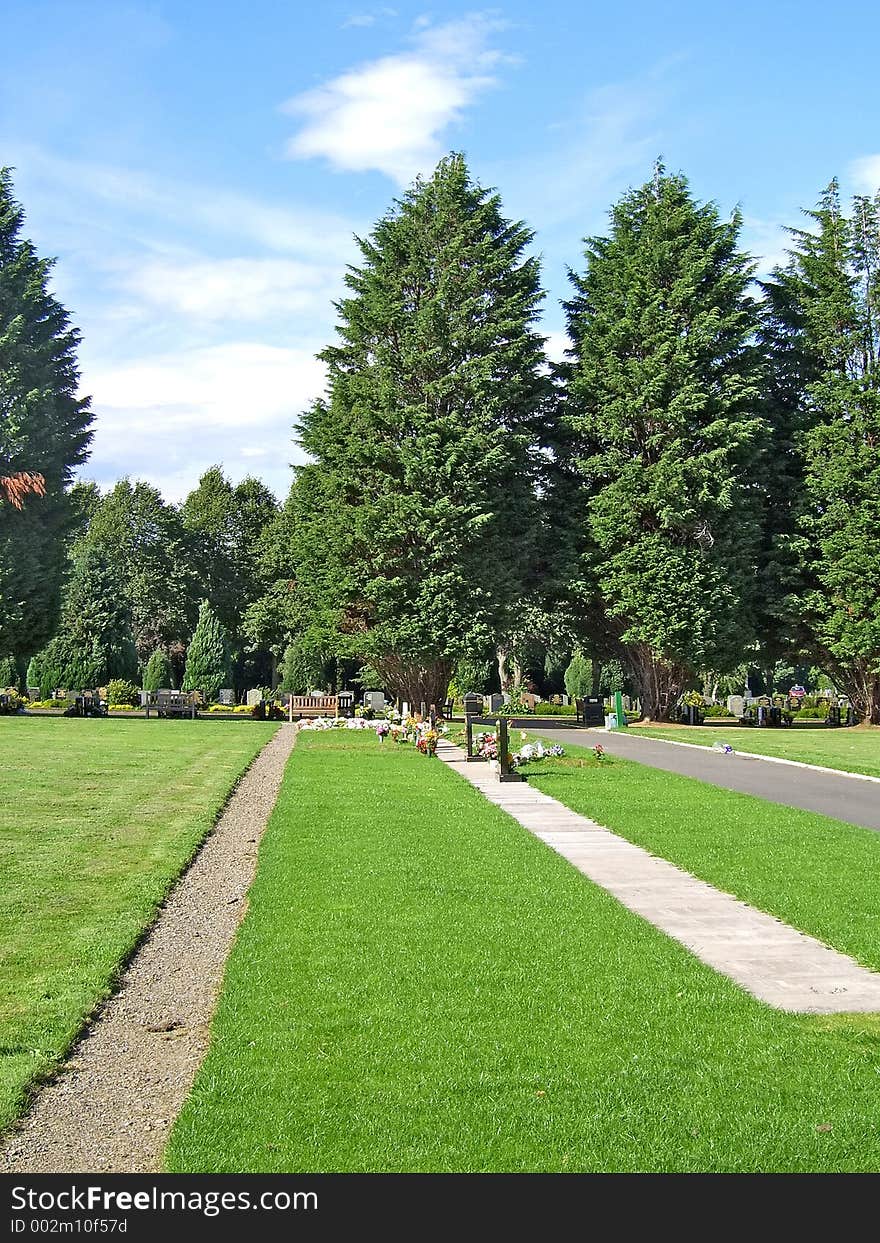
(207, 658)
(157, 674)
(415, 519)
(44, 430)
(143, 541)
(825, 308)
(662, 403)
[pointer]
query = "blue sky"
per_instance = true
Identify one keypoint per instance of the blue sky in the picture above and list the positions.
(199, 169)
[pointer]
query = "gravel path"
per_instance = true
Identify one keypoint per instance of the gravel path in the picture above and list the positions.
(115, 1098)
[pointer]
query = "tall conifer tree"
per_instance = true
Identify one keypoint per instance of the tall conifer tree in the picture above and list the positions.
(416, 521)
(825, 307)
(661, 399)
(44, 436)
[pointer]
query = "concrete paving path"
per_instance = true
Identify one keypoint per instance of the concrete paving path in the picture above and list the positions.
(843, 797)
(766, 957)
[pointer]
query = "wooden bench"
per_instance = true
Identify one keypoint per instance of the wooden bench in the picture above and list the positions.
(171, 703)
(312, 705)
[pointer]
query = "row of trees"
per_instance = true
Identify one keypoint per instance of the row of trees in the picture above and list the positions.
(138, 571)
(696, 486)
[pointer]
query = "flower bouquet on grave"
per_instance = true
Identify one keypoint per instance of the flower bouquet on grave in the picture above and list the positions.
(427, 741)
(486, 745)
(383, 729)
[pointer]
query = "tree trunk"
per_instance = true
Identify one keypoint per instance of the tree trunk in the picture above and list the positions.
(597, 677)
(502, 653)
(517, 673)
(862, 687)
(658, 683)
(414, 681)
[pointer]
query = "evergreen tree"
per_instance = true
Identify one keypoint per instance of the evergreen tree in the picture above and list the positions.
(825, 311)
(579, 676)
(8, 672)
(44, 434)
(48, 669)
(661, 400)
(415, 522)
(94, 642)
(303, 667)
(146, 547)
(207, 659)
(226, 526)
(157, 675)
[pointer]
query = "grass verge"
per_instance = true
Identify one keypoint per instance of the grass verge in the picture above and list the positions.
(850, 750)
(421, 985)
(817, 874)
(97, 818)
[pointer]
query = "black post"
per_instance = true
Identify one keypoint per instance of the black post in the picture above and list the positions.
(505, 772)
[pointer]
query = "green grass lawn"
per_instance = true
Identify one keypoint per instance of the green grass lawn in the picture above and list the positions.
(818, 874)
(97, 818)
(422, 985)
(852, 750)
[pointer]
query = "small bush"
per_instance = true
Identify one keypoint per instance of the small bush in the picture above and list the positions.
(121, 693)
(157, 674)
(548, 709)
(579, 677)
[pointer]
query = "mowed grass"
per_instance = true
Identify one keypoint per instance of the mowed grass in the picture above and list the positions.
(853, 750)
(421, 985)
(818, 874)
(97, 818)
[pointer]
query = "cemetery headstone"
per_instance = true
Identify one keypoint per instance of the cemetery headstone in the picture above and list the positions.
(496, 702)
(375, 700)
(736, 705)
(226, 697)
(473, 704)
(254, 697)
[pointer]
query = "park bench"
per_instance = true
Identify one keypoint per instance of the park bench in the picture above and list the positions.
(299, 706)
(169, 703)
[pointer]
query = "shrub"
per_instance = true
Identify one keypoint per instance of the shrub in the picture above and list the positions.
(157, 675)
(8, 672)
(548, 709)
(579, 676)
(123, 693)
(207, 661)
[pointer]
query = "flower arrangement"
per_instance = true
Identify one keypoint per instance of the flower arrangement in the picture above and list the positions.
(599, 751)
(383, 729)
(536, 751)
(426, 741)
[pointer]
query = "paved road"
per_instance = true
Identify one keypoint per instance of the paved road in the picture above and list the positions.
(857, 802)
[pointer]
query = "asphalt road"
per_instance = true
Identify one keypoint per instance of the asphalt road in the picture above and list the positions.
(857, 802)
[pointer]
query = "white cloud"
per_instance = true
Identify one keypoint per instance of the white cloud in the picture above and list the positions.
(767, 241)
(368, 19)
(240, 288)
(174, 413)
(87, 196)
(865, 174)
(390, 114)
(556, 345)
